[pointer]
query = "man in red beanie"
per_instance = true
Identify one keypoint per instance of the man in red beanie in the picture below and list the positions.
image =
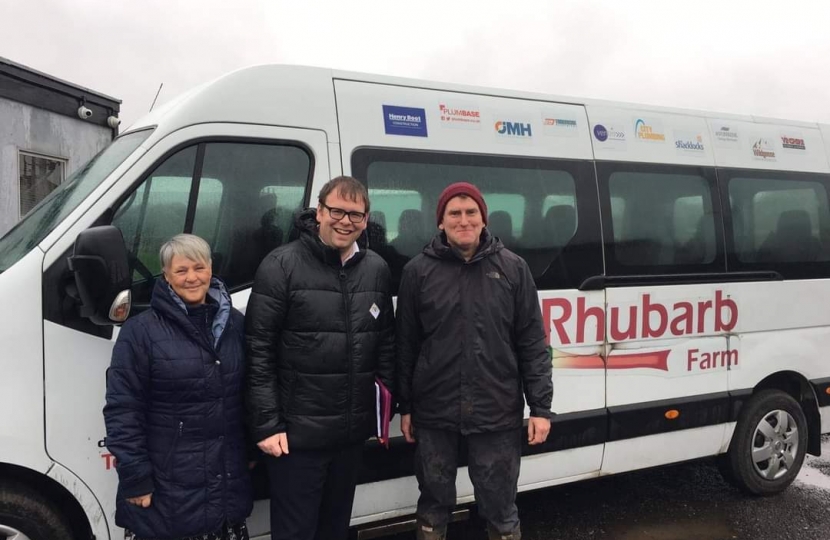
(470, 341)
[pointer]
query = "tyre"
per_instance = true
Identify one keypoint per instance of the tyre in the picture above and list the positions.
(27, 515)
(768, 446)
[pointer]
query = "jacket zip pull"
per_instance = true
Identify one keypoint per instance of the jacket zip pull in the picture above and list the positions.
(181, 428)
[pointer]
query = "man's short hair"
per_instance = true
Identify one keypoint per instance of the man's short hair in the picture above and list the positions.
(347, 187)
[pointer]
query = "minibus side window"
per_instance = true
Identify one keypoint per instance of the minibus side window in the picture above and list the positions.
(156, 211)
(532, 207)
(780, 221)
(239, 197)
(262, 186)
(660, 219)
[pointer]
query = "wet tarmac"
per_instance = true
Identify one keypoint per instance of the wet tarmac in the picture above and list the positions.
(683, 502)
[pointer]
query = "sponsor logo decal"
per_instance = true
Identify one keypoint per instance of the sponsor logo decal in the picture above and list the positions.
(513, 129)
(762, 149)
(692, 143)
(726, 134)
(409, 121)
(452, 116)
(602, 134)
(567, 322)
(559, 122)
(646, 132)
(792, 143)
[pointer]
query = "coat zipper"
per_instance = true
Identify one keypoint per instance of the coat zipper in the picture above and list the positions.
(173, 448)
(344, 291)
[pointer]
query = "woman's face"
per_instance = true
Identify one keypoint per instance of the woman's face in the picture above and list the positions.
(190, 279)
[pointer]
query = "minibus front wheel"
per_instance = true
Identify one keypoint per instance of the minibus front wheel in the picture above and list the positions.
(27, 515)
(768, 445)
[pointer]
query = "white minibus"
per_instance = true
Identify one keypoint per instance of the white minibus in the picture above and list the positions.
(682, 260)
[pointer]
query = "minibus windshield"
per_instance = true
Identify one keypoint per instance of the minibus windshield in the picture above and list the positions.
(40, 221)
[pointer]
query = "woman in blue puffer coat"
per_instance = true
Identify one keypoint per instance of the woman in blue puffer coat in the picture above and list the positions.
(174, 411)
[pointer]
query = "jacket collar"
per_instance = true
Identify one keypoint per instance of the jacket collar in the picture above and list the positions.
(439, 248)
(168, 303)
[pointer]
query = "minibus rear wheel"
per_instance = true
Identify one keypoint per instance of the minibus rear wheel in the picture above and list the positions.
(769, 444)
(27, 515)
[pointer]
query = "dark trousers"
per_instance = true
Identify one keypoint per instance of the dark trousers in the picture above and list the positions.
(493, 461)
(312, 492)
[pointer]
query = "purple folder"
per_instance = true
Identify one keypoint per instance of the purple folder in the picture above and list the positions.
(383, 406)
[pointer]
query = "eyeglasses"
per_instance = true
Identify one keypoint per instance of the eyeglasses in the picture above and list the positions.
(339, 213)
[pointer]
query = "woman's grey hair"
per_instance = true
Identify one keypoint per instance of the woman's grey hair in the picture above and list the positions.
(185, 245)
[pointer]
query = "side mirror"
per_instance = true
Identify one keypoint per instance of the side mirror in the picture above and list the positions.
(102, 275)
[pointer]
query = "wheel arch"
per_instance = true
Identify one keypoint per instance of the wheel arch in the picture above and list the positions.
(800, 389)
(54, 492)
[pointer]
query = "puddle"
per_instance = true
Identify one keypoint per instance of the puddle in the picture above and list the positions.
(683, 530)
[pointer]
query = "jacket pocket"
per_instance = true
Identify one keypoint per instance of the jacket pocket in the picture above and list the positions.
(418, 374)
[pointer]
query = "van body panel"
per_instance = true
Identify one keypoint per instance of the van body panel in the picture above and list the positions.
(269, 95)
(86, 498)
(21, 363)
(752, 145)
(456, 122)
(621, 134)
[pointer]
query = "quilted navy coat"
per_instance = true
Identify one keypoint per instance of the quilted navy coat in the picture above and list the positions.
(174, 417)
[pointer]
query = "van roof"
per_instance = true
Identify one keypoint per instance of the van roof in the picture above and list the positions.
(295, 96)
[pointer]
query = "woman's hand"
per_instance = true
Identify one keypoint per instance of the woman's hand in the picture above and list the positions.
(143, 501)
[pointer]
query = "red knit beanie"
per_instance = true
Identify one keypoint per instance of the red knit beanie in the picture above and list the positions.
(460, 188)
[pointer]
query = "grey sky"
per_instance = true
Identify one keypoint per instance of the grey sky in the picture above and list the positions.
(752, 57)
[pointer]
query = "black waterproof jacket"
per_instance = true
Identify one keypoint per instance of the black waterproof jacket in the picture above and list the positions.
(174, 417)
(470, 340)
(317, 333)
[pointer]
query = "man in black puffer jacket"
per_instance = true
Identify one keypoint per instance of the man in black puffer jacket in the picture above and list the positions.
(319, 329)
(470, 342)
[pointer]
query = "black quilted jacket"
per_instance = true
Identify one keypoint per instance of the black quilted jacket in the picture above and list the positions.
(317, 334)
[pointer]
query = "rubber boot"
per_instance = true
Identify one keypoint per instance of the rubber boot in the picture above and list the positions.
(425, 531)
(493, 534)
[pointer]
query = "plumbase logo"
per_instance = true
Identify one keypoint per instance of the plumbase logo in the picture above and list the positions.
(459, 117)
(762, 149)
(692, 142)
(513, 129)
(404, 121)
(646, 132)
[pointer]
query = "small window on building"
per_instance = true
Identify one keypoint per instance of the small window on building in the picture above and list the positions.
(39, 176)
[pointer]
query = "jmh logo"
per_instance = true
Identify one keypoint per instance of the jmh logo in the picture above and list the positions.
(513, 128)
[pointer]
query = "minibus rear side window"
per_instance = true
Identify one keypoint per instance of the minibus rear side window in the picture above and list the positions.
(779, 221)
(660, 219)
(543, 210)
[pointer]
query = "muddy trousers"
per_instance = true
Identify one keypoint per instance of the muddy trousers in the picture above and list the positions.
(312, 492)
(493, 460)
